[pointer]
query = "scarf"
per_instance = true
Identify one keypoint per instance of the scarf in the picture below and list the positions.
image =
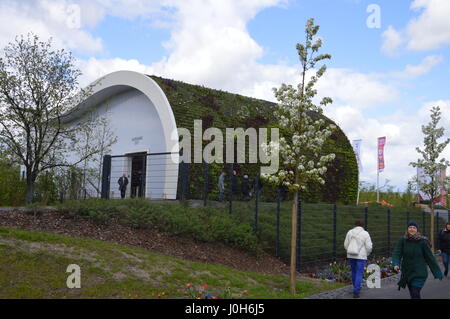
(416, 237)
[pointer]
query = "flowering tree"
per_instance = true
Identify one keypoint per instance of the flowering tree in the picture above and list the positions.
(305, 132)
(431, 164)
(38, 86)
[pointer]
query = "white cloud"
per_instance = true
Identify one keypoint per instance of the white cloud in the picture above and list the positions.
(403, 134)
(413, 71)
(94, 68)
(357, 89)
(46, 18)
(392, 41)
(431, 30)
(428, 31)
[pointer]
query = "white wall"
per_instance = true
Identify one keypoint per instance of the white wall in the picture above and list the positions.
(134, 120)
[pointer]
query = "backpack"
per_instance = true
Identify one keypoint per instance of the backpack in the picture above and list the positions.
(353, 247)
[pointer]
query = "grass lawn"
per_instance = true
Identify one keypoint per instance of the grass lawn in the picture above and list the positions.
(33, 265)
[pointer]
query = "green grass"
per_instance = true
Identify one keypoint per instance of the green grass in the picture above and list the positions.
(33, 265)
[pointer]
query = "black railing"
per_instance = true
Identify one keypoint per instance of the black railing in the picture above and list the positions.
(267, 210)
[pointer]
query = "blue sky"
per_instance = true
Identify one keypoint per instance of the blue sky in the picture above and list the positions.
(383, 80)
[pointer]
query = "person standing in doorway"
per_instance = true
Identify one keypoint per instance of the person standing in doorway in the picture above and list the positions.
(412, 255)
(235, 185)
(358, 246)
(123, 183)
(221, 185)
(245, 188)
(444, 247)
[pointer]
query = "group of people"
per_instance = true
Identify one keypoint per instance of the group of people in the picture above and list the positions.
(240, 188)
(411, 256)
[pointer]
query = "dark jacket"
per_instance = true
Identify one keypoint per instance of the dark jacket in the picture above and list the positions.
(245, 187)
(413, 258)
(235, 184)
(444, 241)
(123, 182)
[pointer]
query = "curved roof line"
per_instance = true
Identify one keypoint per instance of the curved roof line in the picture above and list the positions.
(120, 81)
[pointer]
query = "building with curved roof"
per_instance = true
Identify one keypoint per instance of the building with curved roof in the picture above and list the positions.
(145, 111)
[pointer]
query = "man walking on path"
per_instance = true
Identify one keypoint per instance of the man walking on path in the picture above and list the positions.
(358, 246)
(444, 247)
(412, 255)
(123, 182)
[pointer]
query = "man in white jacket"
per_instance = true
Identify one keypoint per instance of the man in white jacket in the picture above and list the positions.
(358, 246)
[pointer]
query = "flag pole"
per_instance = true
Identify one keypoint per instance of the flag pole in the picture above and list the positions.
(357, 196)
(378, 189)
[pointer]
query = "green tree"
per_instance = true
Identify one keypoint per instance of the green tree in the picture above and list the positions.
(38, 86)
(301, 149)
(12, 188)
(430, 162)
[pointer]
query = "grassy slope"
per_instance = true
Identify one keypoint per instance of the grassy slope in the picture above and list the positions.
(33, 265)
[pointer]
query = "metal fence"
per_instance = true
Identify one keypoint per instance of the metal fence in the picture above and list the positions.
(321, 227)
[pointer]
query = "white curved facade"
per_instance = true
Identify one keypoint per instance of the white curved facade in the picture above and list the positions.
(141, 117)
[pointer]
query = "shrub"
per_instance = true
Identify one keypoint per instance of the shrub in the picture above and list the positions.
(202, 224)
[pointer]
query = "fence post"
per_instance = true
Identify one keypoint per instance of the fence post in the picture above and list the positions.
(334, 232)
(389, 231)
(255, 227)
(423, 222)
(206, 183)
(366, 218)
(277, 244)
(436, 236)
(106, 176)
(299, 236)
(230, 190)
(184, 180)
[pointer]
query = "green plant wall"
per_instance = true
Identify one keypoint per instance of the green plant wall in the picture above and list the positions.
(221, 109)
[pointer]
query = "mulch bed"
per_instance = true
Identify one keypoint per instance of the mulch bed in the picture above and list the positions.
(150, 239)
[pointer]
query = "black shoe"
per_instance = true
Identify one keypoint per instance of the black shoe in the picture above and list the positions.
(355, 295)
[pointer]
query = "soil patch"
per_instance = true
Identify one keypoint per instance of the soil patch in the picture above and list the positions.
(61, 223)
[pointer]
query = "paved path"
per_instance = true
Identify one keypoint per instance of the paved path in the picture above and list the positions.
(433, 289)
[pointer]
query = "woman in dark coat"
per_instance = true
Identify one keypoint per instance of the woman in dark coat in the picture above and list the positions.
(412, 255)
(444, 247)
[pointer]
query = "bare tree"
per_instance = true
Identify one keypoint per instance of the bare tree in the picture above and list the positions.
(38, 85)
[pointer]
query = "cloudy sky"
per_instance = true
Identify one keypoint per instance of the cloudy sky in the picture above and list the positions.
(390, 60)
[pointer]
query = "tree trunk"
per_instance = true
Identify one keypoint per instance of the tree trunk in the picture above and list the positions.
(432, 225)
(294, 245)
(30, 191)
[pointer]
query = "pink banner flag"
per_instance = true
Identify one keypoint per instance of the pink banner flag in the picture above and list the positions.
(381, 143)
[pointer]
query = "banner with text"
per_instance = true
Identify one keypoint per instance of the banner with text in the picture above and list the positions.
(381, 143)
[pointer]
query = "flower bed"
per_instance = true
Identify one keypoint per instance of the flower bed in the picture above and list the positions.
(341, 271)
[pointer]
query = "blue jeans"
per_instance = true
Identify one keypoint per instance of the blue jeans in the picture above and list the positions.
(357, 266)
(445, 260)
(220, 195)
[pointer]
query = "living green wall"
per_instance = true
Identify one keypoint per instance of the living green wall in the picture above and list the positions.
(221, 109)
